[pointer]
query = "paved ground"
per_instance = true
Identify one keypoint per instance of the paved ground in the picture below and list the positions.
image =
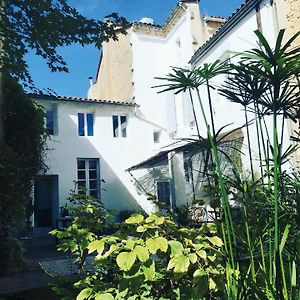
(40, 248)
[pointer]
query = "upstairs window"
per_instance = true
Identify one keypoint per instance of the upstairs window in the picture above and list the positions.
(85, 124)
(51, 120)
(88, 177)
(119, 125)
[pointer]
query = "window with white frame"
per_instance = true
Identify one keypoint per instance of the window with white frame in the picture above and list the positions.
(163, 192)
(119, 123)
(85, 124)
(88, 176)
(51, 121)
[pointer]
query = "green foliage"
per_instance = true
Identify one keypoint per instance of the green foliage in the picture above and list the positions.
(149, 258)
(45, 26)
(21, 160)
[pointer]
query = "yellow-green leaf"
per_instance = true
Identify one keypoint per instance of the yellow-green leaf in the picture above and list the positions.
(202, 253)
(135, 219)
(176, 247)
(215, 240)
(84, 294)
(141, 253)
(125, 260)
(193, 258)
(96, 245)
(106, 296)
(180, 263)
(141, 228)
(212, 285)
(153, 244)
(149, 270)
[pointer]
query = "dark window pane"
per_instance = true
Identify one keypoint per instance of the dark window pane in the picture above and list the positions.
(81, 185)
(93, 174)
(81, 174)
(92, 164)
(156, 135)
(115, 126)
(93, 184)
(90, 124)
(123, 126)
(80, 124)
(163, 192)
(94, 193)
(50, 121)
(80, 164)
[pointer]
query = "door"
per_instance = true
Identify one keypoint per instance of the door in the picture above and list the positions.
(45, 201)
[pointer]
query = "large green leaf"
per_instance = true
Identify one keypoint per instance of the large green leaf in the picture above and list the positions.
(84, 294)
(141, 253)
(149, 270)
(125, 260)
(96, 245)
(106, 296)
(215, 240)
(180, 263)
(135, 219)
(176, 247)
(193, 258)
(202, 254)
(159, 243)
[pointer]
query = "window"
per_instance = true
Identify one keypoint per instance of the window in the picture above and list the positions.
(85, 124)
(50, 122)
(119, 126)
(188, 170)
(156, 136)
(163, 192)
(88, 176)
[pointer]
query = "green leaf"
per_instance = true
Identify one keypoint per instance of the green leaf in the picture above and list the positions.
(141, 228)
(135, 219)
(212, 257)
(176, 247)
(216, 241)
(84, 294)
(125, 260)
(153, 244)
(294, 275)
(200, 287)
(201, 253)
(180, 263)
(106, 296)
(96, 245)
(141, 253)
(149, 270)
(284, 237)
(193, 258)
(212, 285)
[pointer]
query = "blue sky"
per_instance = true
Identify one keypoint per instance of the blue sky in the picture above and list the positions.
(82, 62)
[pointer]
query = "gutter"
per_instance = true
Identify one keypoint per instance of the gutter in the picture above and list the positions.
(232, 21)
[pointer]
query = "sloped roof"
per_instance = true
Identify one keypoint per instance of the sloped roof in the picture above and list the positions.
(233, 19)
(187, 147)
(80, 99)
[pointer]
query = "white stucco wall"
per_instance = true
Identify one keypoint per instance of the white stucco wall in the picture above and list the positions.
(239, 39)
(115, 154)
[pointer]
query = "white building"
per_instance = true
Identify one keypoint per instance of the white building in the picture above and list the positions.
(119, 142)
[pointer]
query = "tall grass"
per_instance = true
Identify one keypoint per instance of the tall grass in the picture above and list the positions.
(264, 82)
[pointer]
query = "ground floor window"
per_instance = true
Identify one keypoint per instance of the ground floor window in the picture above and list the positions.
(88, 176)
(163, 192)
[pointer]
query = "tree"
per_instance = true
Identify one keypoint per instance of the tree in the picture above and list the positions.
(42, 26)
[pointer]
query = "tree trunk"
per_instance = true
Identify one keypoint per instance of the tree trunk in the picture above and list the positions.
(1, 76)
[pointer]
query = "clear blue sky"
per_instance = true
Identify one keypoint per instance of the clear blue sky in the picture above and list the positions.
(82, 62)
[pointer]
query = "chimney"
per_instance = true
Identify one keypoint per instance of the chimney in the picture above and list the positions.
(91, 80)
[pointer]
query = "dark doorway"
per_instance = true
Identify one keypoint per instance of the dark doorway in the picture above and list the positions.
(45, 201)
